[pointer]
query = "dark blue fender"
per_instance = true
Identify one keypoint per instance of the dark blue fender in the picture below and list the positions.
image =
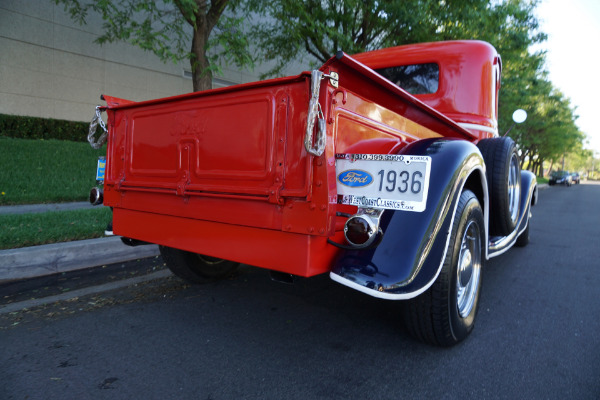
(413, 247)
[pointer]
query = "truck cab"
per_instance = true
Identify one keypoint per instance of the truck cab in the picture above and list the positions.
(460, 79)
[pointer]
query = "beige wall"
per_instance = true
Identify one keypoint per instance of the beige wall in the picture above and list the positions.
(51, 67)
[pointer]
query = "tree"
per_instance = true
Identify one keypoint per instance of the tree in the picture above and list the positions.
(552, 134)
(550, 130)
(319, 28)
(168, 27)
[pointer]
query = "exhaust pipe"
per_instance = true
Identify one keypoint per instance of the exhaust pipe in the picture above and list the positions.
(282, 277)
(96, 196)
(133, 242)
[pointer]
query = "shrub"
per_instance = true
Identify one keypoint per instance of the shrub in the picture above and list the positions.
(17, 126)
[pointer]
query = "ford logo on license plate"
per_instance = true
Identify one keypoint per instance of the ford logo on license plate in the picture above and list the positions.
(355, 178)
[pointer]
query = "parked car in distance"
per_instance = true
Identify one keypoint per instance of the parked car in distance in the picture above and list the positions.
(575, 178)
(560, 178)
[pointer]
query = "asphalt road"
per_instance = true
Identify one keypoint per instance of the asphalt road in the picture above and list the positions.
(537, 333)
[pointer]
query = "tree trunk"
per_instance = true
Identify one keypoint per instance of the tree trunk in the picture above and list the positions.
(201, 74)
(523, 157)
(206, 17)
(551, 165)
(538, 167)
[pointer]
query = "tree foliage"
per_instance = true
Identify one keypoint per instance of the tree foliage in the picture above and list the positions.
(319, 28)
(198, 30)
(550, 131)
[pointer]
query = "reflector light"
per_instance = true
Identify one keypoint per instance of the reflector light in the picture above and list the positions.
(96, 196)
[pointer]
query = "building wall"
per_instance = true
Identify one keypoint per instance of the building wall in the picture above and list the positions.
(50, 66)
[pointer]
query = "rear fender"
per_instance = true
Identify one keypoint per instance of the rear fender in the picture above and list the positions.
(411, 252)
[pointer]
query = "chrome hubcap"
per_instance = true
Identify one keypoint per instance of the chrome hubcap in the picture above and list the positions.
(465, 268)
(468, 269)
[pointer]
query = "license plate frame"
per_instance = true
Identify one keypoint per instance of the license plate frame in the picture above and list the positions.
(384, 181)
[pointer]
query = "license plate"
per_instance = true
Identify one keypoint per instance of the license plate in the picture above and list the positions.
(390, 181)
(101, 169)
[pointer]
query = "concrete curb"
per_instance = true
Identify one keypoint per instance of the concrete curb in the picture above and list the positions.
(31, 262)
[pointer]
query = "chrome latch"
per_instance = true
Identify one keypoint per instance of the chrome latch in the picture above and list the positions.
(334, 78)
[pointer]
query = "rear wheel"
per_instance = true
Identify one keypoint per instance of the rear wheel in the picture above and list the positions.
(445, 314)
(503, 173)
(196, 268)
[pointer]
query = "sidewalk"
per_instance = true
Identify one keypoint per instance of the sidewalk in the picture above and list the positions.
(30, 262)
(39, 208)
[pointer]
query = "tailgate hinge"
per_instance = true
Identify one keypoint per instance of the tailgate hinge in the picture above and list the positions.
(183, 183)
(274, 193)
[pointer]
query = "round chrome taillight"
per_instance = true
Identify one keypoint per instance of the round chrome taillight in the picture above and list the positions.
(360, 230)
(96, 196)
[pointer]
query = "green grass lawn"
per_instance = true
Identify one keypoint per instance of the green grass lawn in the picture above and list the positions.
(46, 171)
(52, 227)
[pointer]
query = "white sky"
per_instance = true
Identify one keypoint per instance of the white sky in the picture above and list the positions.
(573, 58)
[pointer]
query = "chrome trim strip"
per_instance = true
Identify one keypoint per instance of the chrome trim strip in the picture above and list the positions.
(371, 292)
(479, 127)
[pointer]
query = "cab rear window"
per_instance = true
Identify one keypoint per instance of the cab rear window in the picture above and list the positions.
(415, 79)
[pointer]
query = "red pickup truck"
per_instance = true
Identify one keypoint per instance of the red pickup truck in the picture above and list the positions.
(383, 169)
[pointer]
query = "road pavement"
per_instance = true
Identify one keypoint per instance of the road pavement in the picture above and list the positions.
(536, 335)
